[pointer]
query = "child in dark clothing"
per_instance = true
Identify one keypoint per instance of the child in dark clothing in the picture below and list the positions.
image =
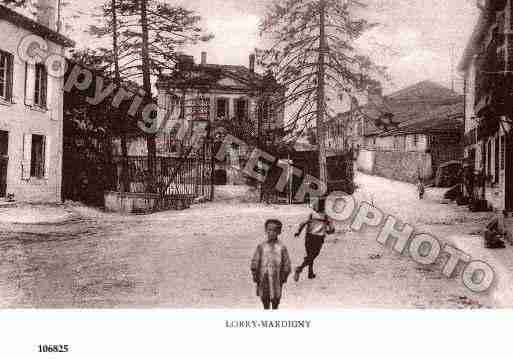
(317, 226)
(420, 188)
(271, 266)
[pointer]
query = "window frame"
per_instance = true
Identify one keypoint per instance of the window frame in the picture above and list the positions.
(226, 101)
(244, 100)
(268, 115)
(503, 152)
(7, 78)
(37, 170)
(41, 86)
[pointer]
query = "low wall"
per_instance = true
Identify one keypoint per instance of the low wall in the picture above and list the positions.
(144, 202)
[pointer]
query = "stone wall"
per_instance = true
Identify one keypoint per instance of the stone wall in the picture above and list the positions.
(402, 166)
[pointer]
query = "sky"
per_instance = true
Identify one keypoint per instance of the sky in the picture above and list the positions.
(416, 39)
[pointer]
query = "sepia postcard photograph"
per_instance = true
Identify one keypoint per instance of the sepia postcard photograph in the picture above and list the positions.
(259, 157)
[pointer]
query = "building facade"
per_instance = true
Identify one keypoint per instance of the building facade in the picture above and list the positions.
(487, 65)
(233, 97)
(403, 135)
(31, 111)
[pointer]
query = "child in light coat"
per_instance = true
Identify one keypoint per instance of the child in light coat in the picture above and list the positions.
(271, 266)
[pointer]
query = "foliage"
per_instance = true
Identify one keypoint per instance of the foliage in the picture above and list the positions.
(169, 27)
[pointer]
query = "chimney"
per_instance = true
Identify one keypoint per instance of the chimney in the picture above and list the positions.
(204, 58)
(252, 62)
(47, 13)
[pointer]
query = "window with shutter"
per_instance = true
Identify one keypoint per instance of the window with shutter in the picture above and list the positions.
(489, 158)
(503, 151)
(497, 159)
(30, 81)
(41, 85)
(25, 164)
(6, 75)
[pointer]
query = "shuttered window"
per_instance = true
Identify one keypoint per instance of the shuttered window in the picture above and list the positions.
(503, 152)
(489, 158)
(41, 85)
(6, 75)
(497, 159)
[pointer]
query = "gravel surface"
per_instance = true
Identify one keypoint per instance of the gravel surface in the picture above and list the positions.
(199, 258)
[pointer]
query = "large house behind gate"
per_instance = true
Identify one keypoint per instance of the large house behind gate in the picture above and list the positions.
(220, 93)
(31, 111)
(487, 65)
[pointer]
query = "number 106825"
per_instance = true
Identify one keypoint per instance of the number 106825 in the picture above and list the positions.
(53, 348)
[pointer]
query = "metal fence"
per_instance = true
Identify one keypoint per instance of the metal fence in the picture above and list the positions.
(191, 176)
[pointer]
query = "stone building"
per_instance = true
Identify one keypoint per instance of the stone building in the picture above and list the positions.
(408, 133)
(487, 65)
(221, 94)
(31, 110)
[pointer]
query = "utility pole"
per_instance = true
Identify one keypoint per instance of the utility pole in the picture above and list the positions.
(323, 172)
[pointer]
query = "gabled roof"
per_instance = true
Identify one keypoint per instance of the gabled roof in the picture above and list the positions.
(28, 24)
(209, 74)
(420, 101)
(443, 119)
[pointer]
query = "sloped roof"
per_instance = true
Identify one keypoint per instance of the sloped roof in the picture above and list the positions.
(443, 119)
(33, 26)
(209, 74)
(422, 101)
(240, 72)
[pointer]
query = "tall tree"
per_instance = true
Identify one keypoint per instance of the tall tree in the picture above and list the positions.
(313, 53)
(150, 31)
(108, 59)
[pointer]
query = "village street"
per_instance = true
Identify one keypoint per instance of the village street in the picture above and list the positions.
(199, 258)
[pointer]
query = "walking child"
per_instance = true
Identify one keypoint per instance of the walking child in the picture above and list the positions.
(420, 188)
(317, 226)
(271, 266)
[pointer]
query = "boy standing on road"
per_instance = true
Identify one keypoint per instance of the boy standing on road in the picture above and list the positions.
(271, 266)
(317, 226)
